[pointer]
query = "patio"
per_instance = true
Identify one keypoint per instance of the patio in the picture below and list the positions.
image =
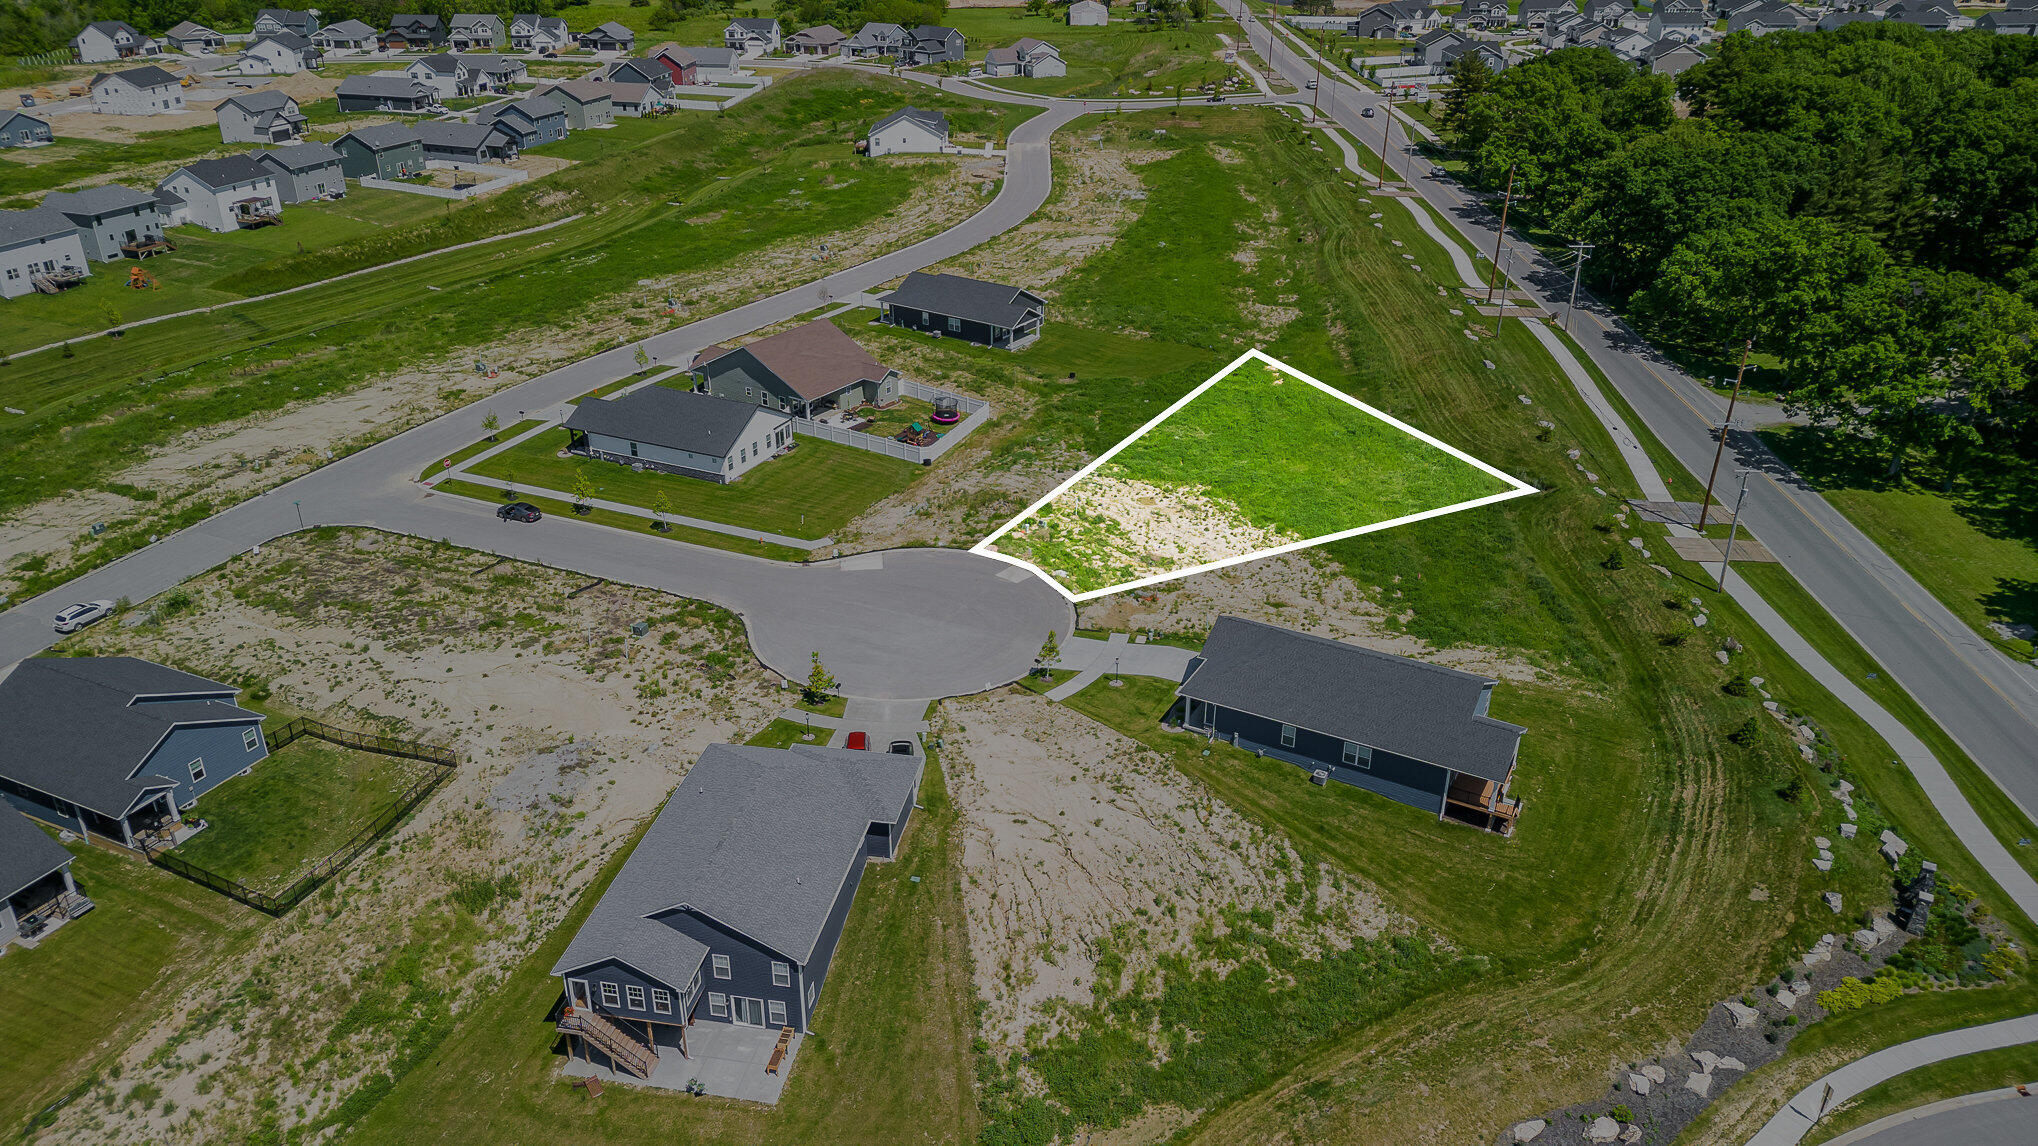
(727, 1059)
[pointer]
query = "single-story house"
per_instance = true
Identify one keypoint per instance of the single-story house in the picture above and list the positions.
(713, 64)
(531, 121)
(802, 371)
(456, 142)
(820, 40)
(382, 150)
(730, 907)
(347, 35)
(270, 21)
(752, 35)
(633, 100)
(660, 71)
(609, 37)
(283, 54)
(1027, 57)
(108, 218)
(103, 41)
(951, 306)
(194, 39)
(932, 44)
(1088, 14)
(259, 117)
(117, 747)
(36, 889)
(586, 103)
(225, 194)
(493, 72)
(413, 30)
(444, 73)
(679, 432)
(20, 129)
(39, 248)
(304, 171)
(1414, 732)
(384, 93)
(146, 90)
(875, 39)
(476, 31)
(909, 130)
(533, 33)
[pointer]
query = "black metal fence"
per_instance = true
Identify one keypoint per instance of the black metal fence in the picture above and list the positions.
(444, 760)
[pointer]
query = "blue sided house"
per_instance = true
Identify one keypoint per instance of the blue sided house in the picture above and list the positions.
(718, 930)
(117, 747)
(1408, 730)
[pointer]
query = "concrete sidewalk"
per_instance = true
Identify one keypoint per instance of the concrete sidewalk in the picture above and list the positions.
(1790, 1124)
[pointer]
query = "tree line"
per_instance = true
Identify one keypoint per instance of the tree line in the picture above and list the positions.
(1861, 205)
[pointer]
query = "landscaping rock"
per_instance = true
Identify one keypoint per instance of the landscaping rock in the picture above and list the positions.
(1603, 1129)
(1787, 999)
(1635, 542)
(1526, 400)
(1832, 897)
(1573, 454)
(1821, 842)
(1721, 656)
(1698, 1083)
(1489, 364)
(1848, 830)
(1396, 242)
(1664, 570)
(1638, 1083)
(1631, 1134)
(1884, 927)
(1851, 815)
(1699, 621)
(1826, 854)
(1705, 1059)
(1599, 491)
(1821, 951)
(1729, 1062)
(1866, 938)
(1459, 313)
(1823, 864)
(1655, 1074)
(1590, 476)
(1893, 848)
(1527, 1131)
(1771, 705)
(1744, 1015)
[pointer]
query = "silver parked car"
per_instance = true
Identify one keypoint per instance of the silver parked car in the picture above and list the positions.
(77, 616)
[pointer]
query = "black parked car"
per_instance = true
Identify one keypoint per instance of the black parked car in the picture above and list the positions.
(519, 511)
(902, 748)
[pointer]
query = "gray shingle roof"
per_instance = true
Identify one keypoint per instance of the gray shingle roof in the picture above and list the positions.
(27, 853)
(74, 733)
(660, 416)
(954, 295)
(380, 87)
(757, 839)
(1395, 704)
(96, 201)
(348, 30)
(7, 120)
(224, 172)
(146, 76)
(34, 223)
(383, 136)
(268, 99)
(290, 40)
(933, 121)
(298, 156)
(446, 133)
(755, 23)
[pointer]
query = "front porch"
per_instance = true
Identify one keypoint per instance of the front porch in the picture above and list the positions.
(726, 1059)
(45, 905)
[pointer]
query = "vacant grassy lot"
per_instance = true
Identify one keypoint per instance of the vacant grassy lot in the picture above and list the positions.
(297, 807)
(1974, 545)
(809, 493)
(888, 1061)
(25, 175)
(70, 1005)
(1119, 58)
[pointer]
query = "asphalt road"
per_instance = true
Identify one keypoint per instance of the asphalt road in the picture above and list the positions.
(1987, 703)
(903, 624)
(2005, 1121)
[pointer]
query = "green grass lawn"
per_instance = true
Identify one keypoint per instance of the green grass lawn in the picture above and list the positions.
(492, 494)
(302, 804)
(75, 1002)
(70, 160)
(832, 706)
(1968, 1074)
(1118, 58)
(1035, 682)
(1975, 546)
(783, 733)
(465, 452)
(889, 1060)
(885, 423)
(808, 494)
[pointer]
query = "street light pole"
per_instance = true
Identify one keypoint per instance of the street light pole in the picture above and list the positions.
(1386, 155)
(1583, 251)
(1727, 557)
(1706, 507)
(1493, 276)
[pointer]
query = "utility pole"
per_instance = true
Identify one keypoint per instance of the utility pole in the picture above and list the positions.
(1727, 558)
(1733, 398)
(1386, 156)
(1493, 276)
(1583, 251)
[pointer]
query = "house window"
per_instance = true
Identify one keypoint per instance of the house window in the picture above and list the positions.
(661, 1000)
(718, 1004)
(13, 273)
(251, 738)
(198, 770)
(610, 997)
(811, 989)
(781, 974)
(633, 449)
(721, 966)
(1287, 736)
(954, 324)
(1358, 755)
(777, 1009)
(636, 995)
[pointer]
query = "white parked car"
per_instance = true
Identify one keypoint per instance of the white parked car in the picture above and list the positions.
(84, 613)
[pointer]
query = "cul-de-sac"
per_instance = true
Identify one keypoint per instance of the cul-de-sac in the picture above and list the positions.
(1019, 572)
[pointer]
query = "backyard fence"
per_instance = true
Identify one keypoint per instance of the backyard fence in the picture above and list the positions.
(46, 60)
(976, 412)
(444, 760)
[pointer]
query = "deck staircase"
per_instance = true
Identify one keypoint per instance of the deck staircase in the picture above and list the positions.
(610, 1039)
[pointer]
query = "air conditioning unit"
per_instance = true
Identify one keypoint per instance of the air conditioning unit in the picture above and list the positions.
(1320, 777)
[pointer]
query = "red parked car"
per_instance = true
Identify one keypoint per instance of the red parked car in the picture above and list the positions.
(860, 741)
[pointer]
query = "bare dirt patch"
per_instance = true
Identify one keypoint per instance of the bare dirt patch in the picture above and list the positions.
(1077, 839)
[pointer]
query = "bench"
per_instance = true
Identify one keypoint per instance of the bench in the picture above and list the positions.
(785, 1042)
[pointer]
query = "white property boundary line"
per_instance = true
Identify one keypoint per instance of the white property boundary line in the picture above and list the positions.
(1517, 488)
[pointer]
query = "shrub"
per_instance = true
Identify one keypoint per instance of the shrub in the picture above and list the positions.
(1621, 1113)
(1614, 560)
(1738, 686)
(1853, 993)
